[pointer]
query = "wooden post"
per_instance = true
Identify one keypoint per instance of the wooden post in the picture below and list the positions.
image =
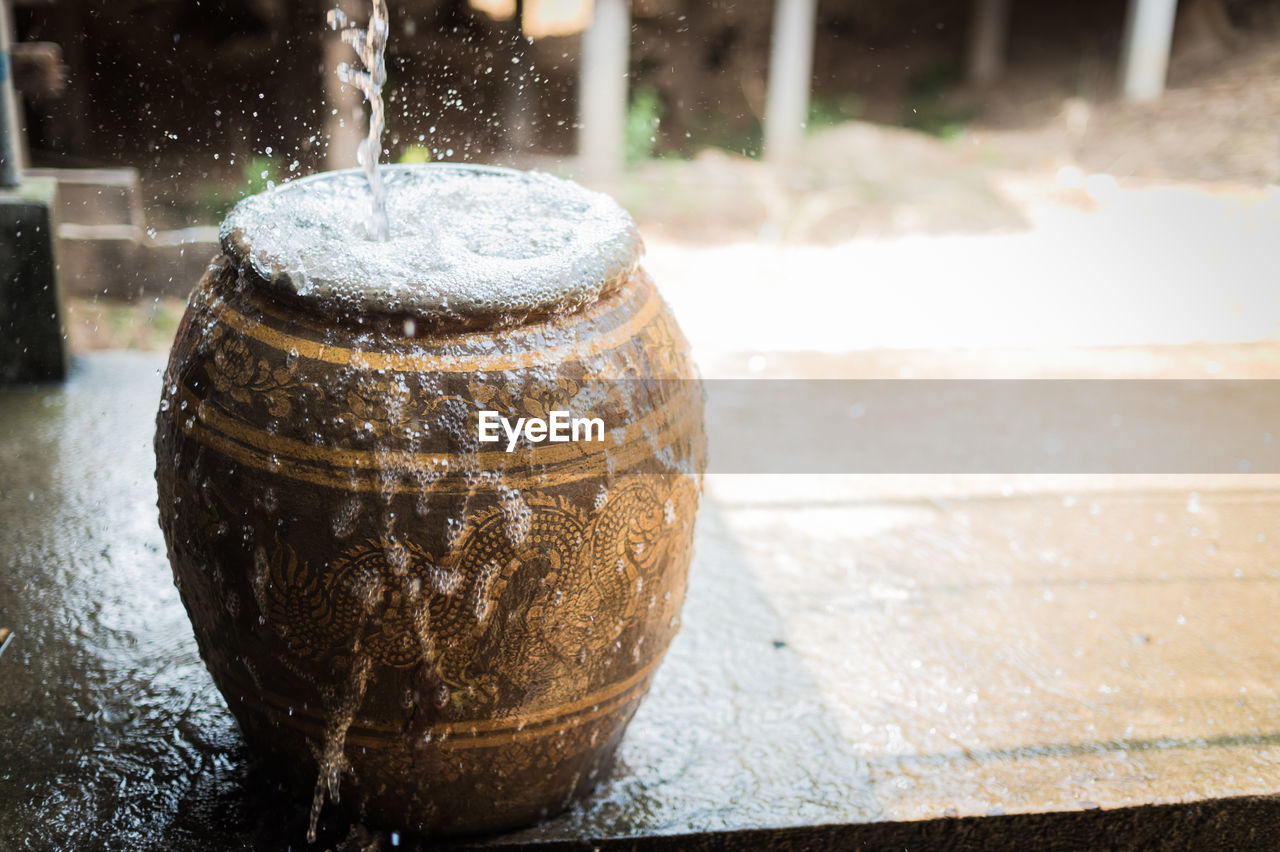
(988, 32)
(1148, 39)
(344, 125)
(602, 89)
(790, 76)
(518, 113)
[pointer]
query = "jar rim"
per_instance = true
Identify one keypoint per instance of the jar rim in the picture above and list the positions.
(470, 245)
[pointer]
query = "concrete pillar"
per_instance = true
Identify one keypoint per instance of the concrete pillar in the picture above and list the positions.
(518, 110)
(33, 343)
(602, 89)
(1148, 39)
(10, 126)
(790, 77)
(345, 124)
(988, 36)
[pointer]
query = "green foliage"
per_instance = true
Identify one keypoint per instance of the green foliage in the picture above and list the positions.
(260, 173)
(415, 155)
(743, 134)
(256, 174)
(930, 107)
(641, 129)
(833, 110)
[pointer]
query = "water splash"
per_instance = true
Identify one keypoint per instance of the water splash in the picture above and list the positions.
(370, 45)
(332, 757)
(464, 241)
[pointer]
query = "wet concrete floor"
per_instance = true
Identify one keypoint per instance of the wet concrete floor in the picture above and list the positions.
(114, 735)
(856, 652)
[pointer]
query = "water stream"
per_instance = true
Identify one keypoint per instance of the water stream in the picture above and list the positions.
(332, 758)
(370, 45)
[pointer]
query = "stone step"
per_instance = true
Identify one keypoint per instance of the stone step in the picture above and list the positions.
(96, 196)
(126, 262)
(104, 247)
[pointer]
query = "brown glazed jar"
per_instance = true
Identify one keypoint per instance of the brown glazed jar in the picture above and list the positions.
(451, 634)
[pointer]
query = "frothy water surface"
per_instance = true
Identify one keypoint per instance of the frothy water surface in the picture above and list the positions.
(464, 242)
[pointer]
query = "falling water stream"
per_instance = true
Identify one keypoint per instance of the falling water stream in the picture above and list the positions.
(370, 45)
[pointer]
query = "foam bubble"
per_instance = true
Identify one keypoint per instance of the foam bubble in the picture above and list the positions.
(471, 242)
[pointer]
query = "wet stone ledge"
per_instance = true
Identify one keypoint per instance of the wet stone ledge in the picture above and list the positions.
(1084, 667)
(32, 343)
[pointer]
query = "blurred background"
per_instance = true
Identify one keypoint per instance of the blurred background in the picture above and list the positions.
(1005, 161)
(827, 189)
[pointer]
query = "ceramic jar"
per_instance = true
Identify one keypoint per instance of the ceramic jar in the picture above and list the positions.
(451, 634)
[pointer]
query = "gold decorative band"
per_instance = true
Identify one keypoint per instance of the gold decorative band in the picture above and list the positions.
(441, 363)
(479, 733)
(317, 324)
(360, 470)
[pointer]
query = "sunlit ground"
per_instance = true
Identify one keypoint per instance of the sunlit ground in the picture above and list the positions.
(1093, 262)
(1099, 264)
